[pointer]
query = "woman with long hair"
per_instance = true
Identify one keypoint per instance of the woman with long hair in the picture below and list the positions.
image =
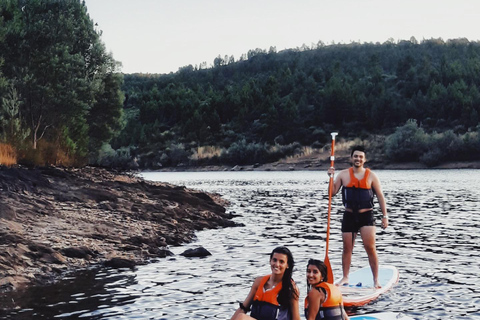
(274, 296)
(324, 300)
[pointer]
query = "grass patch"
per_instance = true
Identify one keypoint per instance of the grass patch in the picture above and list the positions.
(8, 156)
(206, 152)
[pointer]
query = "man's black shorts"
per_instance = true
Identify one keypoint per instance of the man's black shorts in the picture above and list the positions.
(353, 221)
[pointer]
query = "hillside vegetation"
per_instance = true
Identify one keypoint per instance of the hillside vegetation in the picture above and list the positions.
(422, 99)
(64, 102)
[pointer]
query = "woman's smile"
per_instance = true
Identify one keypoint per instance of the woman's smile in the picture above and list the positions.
(278, 263)
(314, 275)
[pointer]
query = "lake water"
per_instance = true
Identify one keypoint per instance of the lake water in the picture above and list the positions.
(433, 239)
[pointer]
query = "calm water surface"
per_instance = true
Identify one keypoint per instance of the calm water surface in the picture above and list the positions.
(433, 239)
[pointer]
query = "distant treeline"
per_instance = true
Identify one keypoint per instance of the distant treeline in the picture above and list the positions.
(271, 104)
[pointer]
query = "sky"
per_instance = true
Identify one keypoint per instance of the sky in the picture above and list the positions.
(161, 36)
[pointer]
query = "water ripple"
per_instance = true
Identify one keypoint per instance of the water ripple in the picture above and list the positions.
(433, 239)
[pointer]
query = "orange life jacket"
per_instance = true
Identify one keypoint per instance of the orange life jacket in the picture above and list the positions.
(265, 305)
(269, 296)
(332, 307)
(358, 194)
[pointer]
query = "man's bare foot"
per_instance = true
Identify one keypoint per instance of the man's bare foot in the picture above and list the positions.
(377, 285)
(342, 282)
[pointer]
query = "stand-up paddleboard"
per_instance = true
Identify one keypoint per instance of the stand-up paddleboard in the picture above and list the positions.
(382, 316)
(360, 289)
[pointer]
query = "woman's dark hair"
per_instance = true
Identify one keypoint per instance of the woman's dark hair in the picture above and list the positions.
(288, 292)
(321, 266)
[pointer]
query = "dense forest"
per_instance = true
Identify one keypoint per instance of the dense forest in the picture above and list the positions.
(60, 91)
(418, 96)
(64, 101)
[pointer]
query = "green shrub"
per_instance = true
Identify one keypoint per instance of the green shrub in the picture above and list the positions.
(281, 151)
(471, 143)
(120, 158)
(432, 158)
(407, 143)
(447, 145)
(411, 143)
(177, 154)
(242, 152)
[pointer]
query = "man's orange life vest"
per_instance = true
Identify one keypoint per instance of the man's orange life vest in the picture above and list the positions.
(358, 194)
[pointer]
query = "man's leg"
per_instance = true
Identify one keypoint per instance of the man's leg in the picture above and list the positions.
(368, 238)
(348, 243)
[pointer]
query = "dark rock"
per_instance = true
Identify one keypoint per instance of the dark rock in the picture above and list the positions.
(119, 263)
(56, 172)
(98, 236)
(18, 180)
(160, 253)
(105, 206)
(35, 247)
(7, 212)
(100, 195)
(6, 238)
(138, 241)
(55, 258)
(196, 252)
(67, 197)
(203, 196)
(129, 247)
(78, 252)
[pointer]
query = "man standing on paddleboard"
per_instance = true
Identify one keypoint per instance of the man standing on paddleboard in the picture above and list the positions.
(359, 185)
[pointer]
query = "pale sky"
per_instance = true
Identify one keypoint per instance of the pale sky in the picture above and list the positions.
(160, 36)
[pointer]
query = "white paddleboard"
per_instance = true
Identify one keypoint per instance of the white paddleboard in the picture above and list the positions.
(360, 289)
(382, 316)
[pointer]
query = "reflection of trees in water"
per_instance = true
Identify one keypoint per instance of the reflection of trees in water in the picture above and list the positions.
(86, 291)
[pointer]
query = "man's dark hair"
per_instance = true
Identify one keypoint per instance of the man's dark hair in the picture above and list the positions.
(358, 148)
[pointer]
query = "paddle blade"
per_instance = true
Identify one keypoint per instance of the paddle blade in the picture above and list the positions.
(329, 269)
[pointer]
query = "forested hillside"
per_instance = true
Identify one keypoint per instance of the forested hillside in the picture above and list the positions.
(418, 96)
(64, 102)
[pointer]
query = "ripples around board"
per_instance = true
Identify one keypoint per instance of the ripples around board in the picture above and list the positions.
(433, 239)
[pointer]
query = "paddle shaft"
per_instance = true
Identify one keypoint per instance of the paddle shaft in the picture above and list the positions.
(330, 194)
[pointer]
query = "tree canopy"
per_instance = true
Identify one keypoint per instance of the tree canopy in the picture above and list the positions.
(67, 88)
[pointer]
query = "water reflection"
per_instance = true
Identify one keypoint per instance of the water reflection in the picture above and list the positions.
(433, 239)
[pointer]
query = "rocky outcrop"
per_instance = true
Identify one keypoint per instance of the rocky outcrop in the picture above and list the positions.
(56, 220)
(196, 253)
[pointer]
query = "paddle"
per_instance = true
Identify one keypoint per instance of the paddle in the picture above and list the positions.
(330, 191)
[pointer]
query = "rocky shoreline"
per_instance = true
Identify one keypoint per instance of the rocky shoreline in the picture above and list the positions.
(321, 161)
(54, 221)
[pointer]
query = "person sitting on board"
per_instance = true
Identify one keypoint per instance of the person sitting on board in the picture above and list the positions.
(324, 300)
(274, 296)
(359, 185)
